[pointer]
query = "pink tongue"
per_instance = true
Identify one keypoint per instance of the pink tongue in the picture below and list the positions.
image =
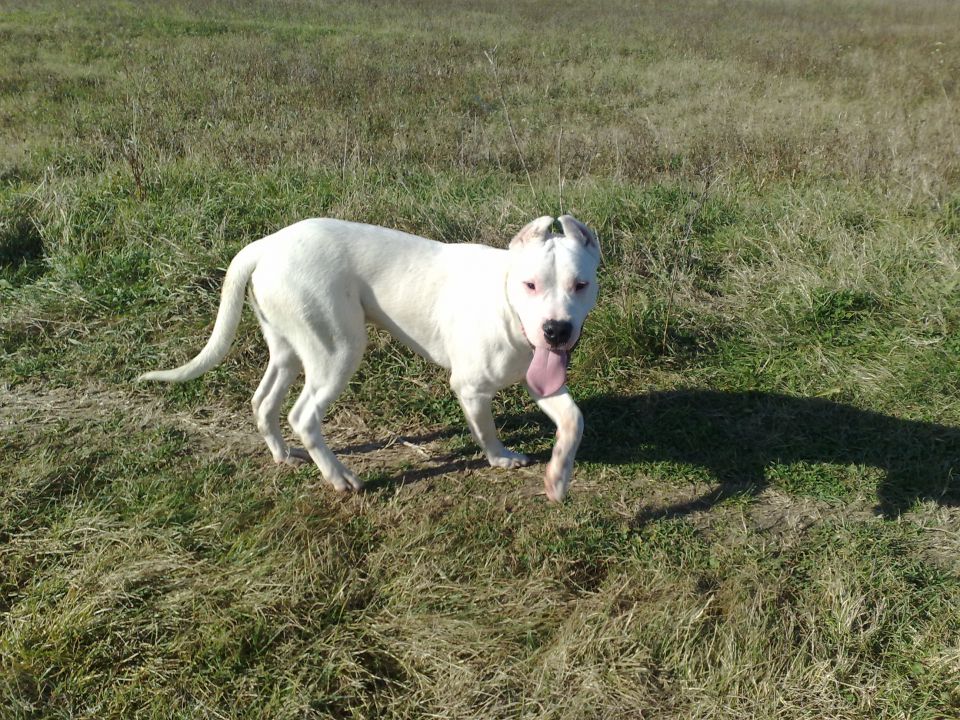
(547, 372)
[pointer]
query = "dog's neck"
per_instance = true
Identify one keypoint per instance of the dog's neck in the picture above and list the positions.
(518, 333)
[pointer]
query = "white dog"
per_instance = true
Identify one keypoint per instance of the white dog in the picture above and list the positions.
(492, 317)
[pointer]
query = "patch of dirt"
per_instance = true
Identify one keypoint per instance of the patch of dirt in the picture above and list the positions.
(31, 409)
(221, 431)
(776, 513)
(941, 535)
(771, 512)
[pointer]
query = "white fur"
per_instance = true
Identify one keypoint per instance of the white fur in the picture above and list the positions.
(467, 307)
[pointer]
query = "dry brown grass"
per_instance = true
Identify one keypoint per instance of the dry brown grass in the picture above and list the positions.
(764, 521)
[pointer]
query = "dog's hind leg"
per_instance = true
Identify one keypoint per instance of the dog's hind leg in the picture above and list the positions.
(326, 373)
(306, 418)
(282, 369)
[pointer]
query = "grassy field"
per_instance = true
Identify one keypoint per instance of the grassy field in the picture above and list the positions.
(764, 522)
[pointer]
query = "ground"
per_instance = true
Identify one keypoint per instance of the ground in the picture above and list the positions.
(765, 516)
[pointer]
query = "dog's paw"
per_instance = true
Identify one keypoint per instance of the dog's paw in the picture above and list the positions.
(345, 481)
(508, 459)
(296, 457)
(556, 482)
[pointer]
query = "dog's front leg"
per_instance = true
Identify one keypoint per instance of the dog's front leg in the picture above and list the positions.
(476, 407)
(565, 414)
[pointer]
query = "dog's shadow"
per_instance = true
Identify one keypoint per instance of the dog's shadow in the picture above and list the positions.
(740, 437)
(431, 465)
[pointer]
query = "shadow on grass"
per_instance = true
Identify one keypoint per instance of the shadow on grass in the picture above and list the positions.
(739, 437)
(430, 466)
(446, 464)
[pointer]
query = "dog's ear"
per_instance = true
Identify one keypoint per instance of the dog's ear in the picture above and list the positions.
(534, 231)
(576, 230)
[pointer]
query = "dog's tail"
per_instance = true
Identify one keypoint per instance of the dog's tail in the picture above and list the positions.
(225, 327)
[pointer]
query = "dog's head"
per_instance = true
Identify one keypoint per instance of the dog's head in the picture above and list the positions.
(552, 285)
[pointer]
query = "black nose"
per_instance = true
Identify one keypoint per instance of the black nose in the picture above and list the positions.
(557, 332)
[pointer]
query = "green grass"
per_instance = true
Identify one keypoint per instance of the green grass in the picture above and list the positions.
(764, 519)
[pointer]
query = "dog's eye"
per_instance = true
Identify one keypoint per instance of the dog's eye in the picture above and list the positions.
(530, 286)
(580, 285)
